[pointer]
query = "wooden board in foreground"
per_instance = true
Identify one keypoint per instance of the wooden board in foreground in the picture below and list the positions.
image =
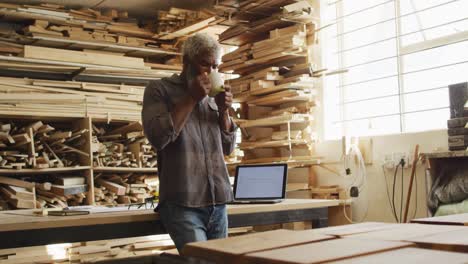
(325, 251)
(407, 231)
(453, 240)
(457, 219)
(231, 250)
(409, 256)
(346, 230)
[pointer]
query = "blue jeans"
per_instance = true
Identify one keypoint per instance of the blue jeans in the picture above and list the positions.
(187, 224)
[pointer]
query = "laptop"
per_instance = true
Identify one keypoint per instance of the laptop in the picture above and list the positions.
(260, 183)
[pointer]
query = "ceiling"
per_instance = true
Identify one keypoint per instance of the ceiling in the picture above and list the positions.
(136, 7)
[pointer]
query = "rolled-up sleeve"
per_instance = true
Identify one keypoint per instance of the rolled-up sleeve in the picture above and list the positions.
(157, 120)
(228, 139)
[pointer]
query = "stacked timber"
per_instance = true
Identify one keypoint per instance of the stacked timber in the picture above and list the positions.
(21, 97)
(124, 146)
(276, 87)
(179, 22)
(90, 252)
(38, 145)
(17, 193)
(124, 188)
(458, 122)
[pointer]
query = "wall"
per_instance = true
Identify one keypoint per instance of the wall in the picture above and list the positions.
(376, 194)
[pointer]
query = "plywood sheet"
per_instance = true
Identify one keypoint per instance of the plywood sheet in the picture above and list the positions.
(231, 249)
(407, 232)
(325, 251)
(457, 219)
(452, 238)
(346, 230)
(409, 256)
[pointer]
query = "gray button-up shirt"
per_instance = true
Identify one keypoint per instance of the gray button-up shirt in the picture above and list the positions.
(191, 166)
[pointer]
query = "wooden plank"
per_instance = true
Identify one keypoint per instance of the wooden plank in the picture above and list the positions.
(34, 52)
(20, 192)
(15, 182)
(409, 255)
(154, 244)
(70, 180)
(276, 120)
(456, 219)
(346, 230)
(457, 239)
(327, 251)
(406, 232)
(113, 187)
(68, 190)
(231, 250)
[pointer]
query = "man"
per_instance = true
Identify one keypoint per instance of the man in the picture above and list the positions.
(191, 132)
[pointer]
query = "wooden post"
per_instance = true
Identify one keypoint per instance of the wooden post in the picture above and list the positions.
(413, 172)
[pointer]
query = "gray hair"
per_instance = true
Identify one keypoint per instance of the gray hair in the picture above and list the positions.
(201, 43)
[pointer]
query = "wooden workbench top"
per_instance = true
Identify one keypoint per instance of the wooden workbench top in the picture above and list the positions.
(25, 220)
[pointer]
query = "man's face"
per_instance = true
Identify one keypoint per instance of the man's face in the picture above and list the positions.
(205, 62)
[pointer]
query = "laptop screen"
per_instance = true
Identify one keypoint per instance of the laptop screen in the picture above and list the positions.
(260, 181)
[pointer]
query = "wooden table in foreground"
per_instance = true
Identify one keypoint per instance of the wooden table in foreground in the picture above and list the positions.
(456, 219)
(21, 228)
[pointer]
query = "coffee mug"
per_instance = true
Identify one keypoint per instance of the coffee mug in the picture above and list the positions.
(217, 83)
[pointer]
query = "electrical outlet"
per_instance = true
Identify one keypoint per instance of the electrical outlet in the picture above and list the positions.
(388, 162)
(398, 156)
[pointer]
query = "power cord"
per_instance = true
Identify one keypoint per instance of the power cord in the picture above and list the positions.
(388, 194)
(393, 194)
(391, 202)
(359, 180)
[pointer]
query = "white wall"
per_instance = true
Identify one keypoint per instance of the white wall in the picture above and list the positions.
(379, 208)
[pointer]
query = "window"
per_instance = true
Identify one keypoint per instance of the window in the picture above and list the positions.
(401, 55)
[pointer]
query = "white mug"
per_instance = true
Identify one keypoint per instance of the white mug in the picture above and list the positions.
(217, 83)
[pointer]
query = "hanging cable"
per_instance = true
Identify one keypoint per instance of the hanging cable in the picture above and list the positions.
(393, 194)
(402, 188)
(359, 179)
(388, 194)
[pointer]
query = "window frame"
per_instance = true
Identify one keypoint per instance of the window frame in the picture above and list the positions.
(401, 51)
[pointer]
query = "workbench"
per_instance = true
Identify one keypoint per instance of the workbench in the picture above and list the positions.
(20, 228)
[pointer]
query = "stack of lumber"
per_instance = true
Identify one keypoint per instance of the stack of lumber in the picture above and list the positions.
(66, 191)
(18, 194)
(254, 19)
(458, 122)
(106, 26)
(282, 43)
(127, 188)
(328, 192)
(39, 145)
(124, 146)
(21, 97)
(179, 22)
(276, 87)
(89, 252)
(51, 40)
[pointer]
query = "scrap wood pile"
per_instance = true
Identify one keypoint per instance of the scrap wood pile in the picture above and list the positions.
(90, 252)
(17, 194)
(38, 145)
(58, 192)
(277, 83)
(62, 191)
(125, 146)
(124, 188)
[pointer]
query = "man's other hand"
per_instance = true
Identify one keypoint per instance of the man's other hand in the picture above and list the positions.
(224, 99)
